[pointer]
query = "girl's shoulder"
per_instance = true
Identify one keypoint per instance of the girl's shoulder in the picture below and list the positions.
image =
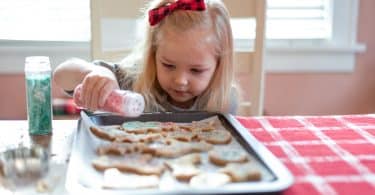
(125, 74)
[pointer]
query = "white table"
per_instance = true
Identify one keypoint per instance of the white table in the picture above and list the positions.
(59, 143)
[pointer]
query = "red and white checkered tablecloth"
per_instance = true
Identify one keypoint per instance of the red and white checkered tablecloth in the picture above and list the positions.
(326, 154)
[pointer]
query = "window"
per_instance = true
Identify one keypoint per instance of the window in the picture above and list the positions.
(303, 30)
(319, 35)
(290, 20)
(45, 20)
(299, 19)
(58, 29)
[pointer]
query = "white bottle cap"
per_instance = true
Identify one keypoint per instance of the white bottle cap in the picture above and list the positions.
(134, 105)
(37, 64)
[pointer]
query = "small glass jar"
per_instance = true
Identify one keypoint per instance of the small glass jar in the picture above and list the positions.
(38, 92)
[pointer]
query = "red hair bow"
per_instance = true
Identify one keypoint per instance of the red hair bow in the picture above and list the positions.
(157, 14)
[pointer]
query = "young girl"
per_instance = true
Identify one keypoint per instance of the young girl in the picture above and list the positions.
(184, 63)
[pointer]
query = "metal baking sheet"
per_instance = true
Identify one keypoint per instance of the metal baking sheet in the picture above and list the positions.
(83, 178)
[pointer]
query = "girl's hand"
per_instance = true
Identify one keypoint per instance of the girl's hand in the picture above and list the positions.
(96, 87)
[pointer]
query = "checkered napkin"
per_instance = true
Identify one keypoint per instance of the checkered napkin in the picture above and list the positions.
(326, 154)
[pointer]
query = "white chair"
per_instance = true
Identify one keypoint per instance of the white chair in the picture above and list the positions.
(113, 27)
(110, 19)
(249, 70)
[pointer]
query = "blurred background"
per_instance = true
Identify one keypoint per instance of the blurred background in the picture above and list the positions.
(319, 54)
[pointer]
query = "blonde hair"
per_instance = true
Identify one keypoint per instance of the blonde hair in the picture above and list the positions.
(217, 95)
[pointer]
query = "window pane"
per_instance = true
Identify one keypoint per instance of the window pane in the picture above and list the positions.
(303, 29)
(45, 20)
(296, 14)
(243, 30)
(289, 19)
(298, 19)
(113, 36)
(295, 3)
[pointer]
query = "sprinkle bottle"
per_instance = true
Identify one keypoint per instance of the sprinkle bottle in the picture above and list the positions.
(123, 102)
(38, 92)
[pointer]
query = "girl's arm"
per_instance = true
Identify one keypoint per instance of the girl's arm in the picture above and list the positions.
(70, 73)
(97, 81)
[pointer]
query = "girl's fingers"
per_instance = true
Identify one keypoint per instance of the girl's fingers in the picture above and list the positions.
(96, 87)
(97, 93)
(92, 104)
(87, 91)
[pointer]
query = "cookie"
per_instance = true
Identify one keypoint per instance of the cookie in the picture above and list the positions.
(139, 127)
(140, 164)
(180, 134)
(199, 126)
(107, 133)
(114, 179)
(240, 172)
(169, 126)
(132, 138)
(209, 180)
(118, 135)
(183, 168)
(115, 148)
(174, 148)
(215, 136)
(224, 156)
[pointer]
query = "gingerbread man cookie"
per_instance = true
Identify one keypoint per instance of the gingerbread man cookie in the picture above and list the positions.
(141, 165)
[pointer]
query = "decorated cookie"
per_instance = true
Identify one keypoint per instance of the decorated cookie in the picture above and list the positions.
(139, 127)
(223, 156)
(199, 126)
(215, 136)
(242, 172)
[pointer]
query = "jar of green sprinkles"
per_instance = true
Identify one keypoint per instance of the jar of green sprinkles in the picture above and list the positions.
(38, 92)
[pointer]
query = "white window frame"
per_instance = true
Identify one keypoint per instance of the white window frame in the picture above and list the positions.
(337, 55)
(13, 53)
